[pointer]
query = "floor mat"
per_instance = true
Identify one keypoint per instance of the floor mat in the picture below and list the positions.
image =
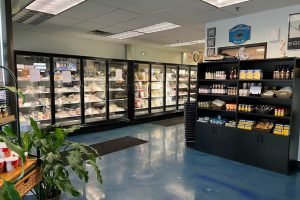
(115, 145)
(119, 144)
(169, 122)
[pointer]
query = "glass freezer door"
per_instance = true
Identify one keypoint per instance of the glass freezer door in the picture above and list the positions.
(118, 90)
(171, 87)
(157, 88)
(94, 90)
(33, 74)
(193, 84)
(183, 86)
(67, 91)
(141, 87)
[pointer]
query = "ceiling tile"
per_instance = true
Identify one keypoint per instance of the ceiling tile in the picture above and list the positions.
(117, 3)
(63, 21)
(22, 27)
(87, 10)
(47, 28)
(140, 22)
(86, 27)
(147, 7)
(115, 17)
(114, 29)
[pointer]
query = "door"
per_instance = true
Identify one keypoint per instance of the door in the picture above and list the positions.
(183, 86)
(274, 152)
(118, 89)
(204, 137)
(141, 89)
(94, 90)
(33, 74)
(225, 141)
(157, 88)
(247, 147)
(171, 87)
(193, 84)
(67, 89)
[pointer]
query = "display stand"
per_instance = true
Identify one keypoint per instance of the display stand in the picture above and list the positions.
(190, 117)
(255, 147)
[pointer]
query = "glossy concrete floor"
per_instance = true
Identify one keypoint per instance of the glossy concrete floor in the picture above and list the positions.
(164, 169)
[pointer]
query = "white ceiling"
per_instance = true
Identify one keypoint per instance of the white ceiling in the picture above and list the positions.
(121, 15)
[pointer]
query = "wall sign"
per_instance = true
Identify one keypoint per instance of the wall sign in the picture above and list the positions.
(294, 32)
(239, 34)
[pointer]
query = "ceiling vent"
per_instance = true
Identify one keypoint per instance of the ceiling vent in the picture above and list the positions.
(31, 17)
(100, 33)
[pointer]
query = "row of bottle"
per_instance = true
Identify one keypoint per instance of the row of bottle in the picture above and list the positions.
(211, 74)
(218, 89)
(283, 73)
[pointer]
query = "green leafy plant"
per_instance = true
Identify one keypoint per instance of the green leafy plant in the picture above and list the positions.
(60, 157)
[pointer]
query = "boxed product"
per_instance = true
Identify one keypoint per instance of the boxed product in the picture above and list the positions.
(281, 129)
(243, 74)
(246, 124)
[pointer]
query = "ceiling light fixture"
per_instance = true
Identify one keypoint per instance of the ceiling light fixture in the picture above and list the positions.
(125, 35)
(53, 6)
(186, 43)
(157, 27)
(260, 50)
(223, 3)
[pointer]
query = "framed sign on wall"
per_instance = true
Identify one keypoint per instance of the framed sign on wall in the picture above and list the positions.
(294, 31)
(239, 34)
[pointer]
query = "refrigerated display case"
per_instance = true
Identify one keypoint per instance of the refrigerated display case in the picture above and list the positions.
(183, 86)
(67, 89)
(141, 89)
(193, 84)
(33, 75)
(94, 90)
(157, 88)
(118, 89)
(171, 87)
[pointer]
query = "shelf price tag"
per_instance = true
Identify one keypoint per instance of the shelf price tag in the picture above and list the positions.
(66, 77)
(35, 75)
(119, 76)
(2, 95)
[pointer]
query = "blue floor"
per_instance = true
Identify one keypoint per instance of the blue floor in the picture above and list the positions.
(164, 169)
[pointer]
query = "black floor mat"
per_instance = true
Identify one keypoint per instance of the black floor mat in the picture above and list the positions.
(111, 146)
(119, 144)
(169, 122)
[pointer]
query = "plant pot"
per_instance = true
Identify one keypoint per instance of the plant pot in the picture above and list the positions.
(56, 198)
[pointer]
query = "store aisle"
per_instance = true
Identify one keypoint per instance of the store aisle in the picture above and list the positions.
(164, 169)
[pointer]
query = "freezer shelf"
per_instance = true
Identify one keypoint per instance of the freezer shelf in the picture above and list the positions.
(33, 75)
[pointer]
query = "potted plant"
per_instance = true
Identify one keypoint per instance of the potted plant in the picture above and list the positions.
(59, 157)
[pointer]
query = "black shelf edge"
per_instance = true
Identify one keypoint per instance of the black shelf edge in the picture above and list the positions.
(265, 98)
(217, 95)
(213, 80)
(268, 80)
(264, 115)
(216, 110)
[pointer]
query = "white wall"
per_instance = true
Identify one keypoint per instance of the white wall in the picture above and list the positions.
(261, 25)
(39, 42)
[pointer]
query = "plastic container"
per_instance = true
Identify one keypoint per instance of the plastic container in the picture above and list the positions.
(2, 165)
(4, 151)
(11, 163)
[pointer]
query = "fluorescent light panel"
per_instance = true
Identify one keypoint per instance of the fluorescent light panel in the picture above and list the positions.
(157, 27)
(223, 3)
(124, 35)
(186, 43)
(53, 6)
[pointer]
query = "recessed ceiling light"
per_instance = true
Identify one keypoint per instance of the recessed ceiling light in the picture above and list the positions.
(186, 43)
(53, 6)
(223, 3)
(124, 35)
(157, 27)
